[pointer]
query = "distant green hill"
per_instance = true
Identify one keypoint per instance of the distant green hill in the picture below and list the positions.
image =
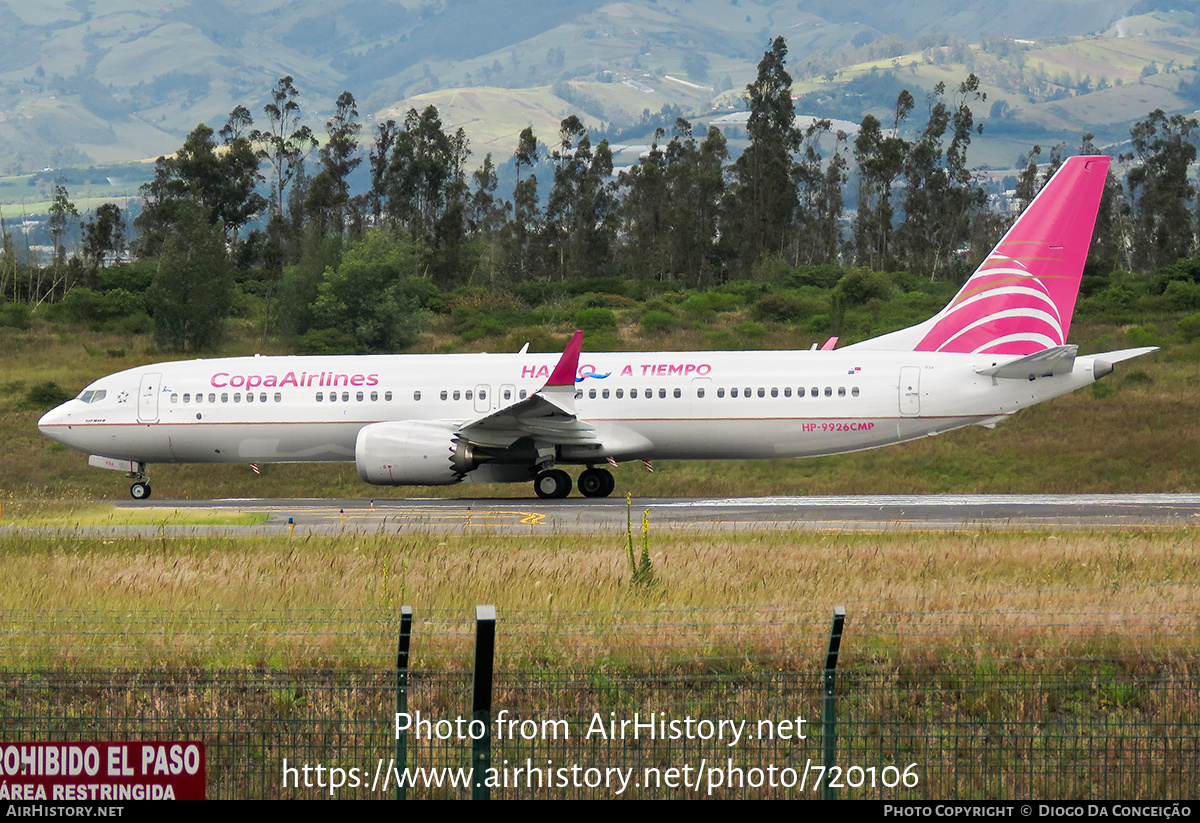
(102, 82)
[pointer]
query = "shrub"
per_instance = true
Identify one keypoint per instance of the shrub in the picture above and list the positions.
(14, 315)
(596, 319)
(782, 308)
(1189, 328)
(45, 396)
(657, 322)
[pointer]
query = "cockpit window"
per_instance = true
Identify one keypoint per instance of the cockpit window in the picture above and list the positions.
(93, 396)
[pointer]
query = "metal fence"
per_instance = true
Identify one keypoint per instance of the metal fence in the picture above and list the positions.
(950, 730)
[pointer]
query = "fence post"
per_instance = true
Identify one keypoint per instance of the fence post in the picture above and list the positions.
(402, 695)
(829, 716)
(481, 699)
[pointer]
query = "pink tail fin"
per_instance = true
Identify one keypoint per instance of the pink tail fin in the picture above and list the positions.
(1021, 298)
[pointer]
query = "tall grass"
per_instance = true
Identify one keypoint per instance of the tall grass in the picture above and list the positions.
(723, 602)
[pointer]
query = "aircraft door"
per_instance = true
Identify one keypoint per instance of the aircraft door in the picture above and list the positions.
(483, 398)
(910, 391)
(148, 393)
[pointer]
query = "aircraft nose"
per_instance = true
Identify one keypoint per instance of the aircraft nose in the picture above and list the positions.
(52, 420)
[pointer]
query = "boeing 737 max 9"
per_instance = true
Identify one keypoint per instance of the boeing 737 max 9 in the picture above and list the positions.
(999, 346)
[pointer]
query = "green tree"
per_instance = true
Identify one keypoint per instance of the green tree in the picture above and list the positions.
(672, 206)
(581, 210)
(940, 195)
(61, 211)
(192, 291)
(221, 179)
(526, 207)
(817, 237)
(425, 175)
(329, 194)
(373, 300)
(379, 159)
(762, 205)
(103, 235)
(284, 143)
(1164, 227)
(880, 158)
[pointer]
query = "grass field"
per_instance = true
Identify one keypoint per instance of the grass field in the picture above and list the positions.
(717, 603)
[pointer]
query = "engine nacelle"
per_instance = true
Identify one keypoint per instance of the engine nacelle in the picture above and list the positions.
(412, 453)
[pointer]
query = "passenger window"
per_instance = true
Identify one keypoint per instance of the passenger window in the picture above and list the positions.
(800, 392)
(249, 397)
(187, 397)
(320, 396)
(620, 393)
(457, 395)
(700, 392)
(592, 394)
(828, 391)
(387, 395)
(212, 397)
(237, 397)
(604, 394)
(733, 393)
(854, 391)
(224, 397)
(278, 397)
(633, 394)
(416, 395)
(762, 392)
(720, 392)
(774, 392)
(470, 394)
(787, 391)
(444, 394)
(524, 394)
(262, 397)
(345, 397)
(174, 398)
(841, 391)
(359, 397)
(679, 392)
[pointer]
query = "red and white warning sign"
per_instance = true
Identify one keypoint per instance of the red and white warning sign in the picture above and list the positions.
(155, 770)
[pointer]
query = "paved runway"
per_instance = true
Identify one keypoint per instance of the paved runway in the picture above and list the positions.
(574, 515)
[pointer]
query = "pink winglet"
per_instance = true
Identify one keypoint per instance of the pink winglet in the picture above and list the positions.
(568, 365)
(829, 344)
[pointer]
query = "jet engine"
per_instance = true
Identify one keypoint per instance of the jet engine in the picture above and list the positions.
(413, 453)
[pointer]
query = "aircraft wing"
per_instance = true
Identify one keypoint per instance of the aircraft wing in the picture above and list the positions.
(548, 414)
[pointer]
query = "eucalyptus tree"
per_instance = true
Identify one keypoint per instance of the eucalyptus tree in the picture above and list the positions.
(1164, 227)
(286, 139)
(762, 204)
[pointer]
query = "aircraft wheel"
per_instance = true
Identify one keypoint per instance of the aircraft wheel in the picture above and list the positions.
(596, 483)
(552, 484)
(140, 491)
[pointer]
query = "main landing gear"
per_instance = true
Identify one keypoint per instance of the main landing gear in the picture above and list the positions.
(555, 484)
(140, 490)
(596, 483)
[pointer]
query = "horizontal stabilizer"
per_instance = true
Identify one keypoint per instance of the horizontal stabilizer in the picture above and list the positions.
(1046, 363)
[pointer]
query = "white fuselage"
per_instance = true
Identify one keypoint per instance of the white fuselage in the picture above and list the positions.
(662, 405)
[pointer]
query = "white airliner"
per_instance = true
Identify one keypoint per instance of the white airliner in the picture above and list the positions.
(998, 347)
